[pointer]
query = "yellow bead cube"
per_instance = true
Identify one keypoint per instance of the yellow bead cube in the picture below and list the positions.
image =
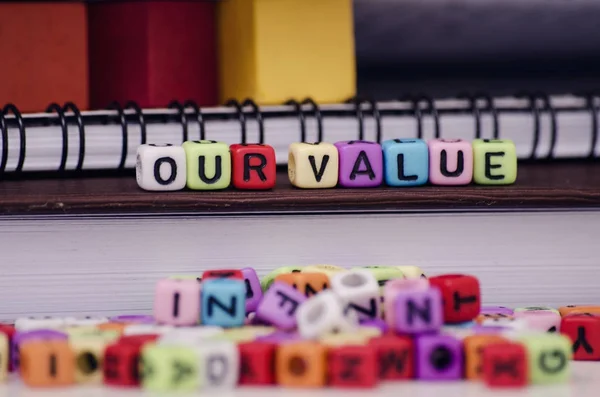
(412, 271)
(343, 339)
(274, 50)
(494, 162)
(4, 352)
(89, 355)
(329, 270)
(313, 165)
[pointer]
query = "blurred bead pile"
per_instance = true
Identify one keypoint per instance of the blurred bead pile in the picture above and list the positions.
(313, 326)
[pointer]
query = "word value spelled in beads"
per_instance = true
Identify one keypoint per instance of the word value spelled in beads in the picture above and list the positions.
(306, 327)
(211, 165)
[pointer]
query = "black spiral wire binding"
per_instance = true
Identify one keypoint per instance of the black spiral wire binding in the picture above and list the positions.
(189, 104)
(132, 105)
(431, 108)
(124, 133)
(377, 116)
(241, 117)
(71, 107)
(359, 116)
(259, 118)
(417, 113)
(301, 117)
(477, 110)
(182, 118)
(4, 132)
(316, 113)
(10, 108)
(592, 106)
(55, 107)
(536, 110)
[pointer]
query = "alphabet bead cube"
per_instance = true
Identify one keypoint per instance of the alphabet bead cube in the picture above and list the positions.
(474, 347)
(494, 162)
(160, 167)
(33, 323)
(45, 363)
(120, 365)
(279, 305)
(26, 336)
(307, 283)
(360, 292)
(169, 368)
(313, 165)
(329, 270)
(450, 162)
(9, 332)
(353, 366)
(344, 338)
(177, 302)
(254, 166)
(418, 311)
(548, 356)
(545, 321)
(219, 364)
(361, 164)
(223, 302)
(4, 356)
(505, 365)
(535, 309)
(391, 290)
(222, 273)
(267, 280)
(571, 309)
(395, 357)
(301, 364)
(410, 271)
(461, 296)
(89, 354)
(383, 274)
(208, 165)
(406, 162)
(254, 292)
(584, 332)
(324, 313)
(438, 357)
(257, 360)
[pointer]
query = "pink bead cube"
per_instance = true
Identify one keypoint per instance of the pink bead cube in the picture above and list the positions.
(542, 320)
(418, 311)
(450, 162)
(279, 304)
(177, 302)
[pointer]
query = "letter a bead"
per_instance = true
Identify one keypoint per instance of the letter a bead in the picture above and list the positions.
(279, 305)
(254, 166)
(177, 302)
(208, 165)
(584, 332)
(160, 167)
(223, 302)
(505, 365)
(313, 165)
(361, 164)
(461, 296)
(406, 162)
(450, 162)
(548, 355)
(494, 162)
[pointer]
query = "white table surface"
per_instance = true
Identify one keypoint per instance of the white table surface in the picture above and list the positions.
(585, 382)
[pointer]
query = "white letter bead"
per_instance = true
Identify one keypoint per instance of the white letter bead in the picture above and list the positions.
(190, 336)
(323, 314)
(143, 329)
(84, 321)
(32, 323)
(359, 291)
(219, 364)
(161, 167)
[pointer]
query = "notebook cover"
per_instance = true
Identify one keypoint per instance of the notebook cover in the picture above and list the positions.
(554, 185)
(43, 54)
(153, 52)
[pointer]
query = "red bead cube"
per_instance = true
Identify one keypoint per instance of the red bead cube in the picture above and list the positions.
(395, 357)
(253, 166)
(461, 296)
(9, 331)
(584, 331)
(257, 363)
(120, 365)
(222, 273)
(353, 366)
(139, 339)
(505, 365)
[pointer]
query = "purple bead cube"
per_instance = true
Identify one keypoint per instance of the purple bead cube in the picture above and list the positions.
(375, 323)
(496, 310)
(253, 290)
(279, 304)
(279, 336)
(418, 311)
(438, 357)
(360, 164)
(36, 334)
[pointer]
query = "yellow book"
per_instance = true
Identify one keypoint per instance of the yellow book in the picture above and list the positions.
(274, 50)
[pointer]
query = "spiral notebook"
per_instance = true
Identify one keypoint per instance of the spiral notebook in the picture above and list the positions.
(65, 139)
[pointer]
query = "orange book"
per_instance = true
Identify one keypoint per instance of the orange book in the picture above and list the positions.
(43, 54)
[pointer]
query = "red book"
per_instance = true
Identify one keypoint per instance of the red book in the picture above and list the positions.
(152, 52)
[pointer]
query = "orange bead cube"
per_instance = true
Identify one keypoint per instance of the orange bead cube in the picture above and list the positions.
(474, 346)
(578, 309)
(302, 364)
(308, 283)
(45, 363)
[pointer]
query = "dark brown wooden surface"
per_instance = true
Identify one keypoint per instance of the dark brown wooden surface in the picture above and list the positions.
(540, 185)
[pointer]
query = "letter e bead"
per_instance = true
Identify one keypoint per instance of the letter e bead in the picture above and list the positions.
(494, 162)
(160, 167)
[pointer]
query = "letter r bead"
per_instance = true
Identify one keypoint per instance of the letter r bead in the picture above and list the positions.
(254, 166)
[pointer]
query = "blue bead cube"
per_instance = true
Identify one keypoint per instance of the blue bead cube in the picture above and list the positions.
(406, 162)
(223, 302)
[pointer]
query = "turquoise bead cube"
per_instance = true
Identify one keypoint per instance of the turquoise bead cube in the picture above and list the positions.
(223, 302)
(406, 162)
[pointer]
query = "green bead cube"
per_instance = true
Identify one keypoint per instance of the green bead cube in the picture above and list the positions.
(548, 357)
(267, 280)
(169, 368)
(384, 274)
(208, 165)
(494, 162)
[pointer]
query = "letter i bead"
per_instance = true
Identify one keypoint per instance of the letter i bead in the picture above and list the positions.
(361, 164)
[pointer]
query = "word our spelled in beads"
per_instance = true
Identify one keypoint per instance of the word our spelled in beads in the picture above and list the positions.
(306, 327)
(211, 165)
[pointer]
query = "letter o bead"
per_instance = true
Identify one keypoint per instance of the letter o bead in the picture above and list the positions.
(313, 165)
(160, 167)
(177, 302)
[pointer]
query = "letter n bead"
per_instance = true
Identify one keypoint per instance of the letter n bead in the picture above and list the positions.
(254, 166)
(177, 302)
(208, 165)
(279, 305)
(450, 162)
(313, 165)
(223, 302)
(584, 332)
(494, 162)
(417, 310)
(361, 163)
(406, 162)
(461, 296)
(439, 357)
(505, 365)
(160, 167)
(353, 366)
